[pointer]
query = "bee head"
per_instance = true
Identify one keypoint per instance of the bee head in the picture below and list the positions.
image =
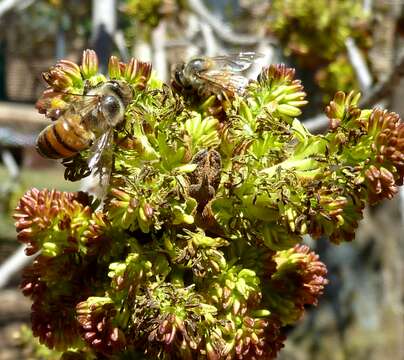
(190, 70)
(115, 96)
(195, 65)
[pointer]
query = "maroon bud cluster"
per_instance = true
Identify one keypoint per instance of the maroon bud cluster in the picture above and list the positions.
(97, 328)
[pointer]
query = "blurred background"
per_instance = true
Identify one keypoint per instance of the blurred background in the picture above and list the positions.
(333, 44)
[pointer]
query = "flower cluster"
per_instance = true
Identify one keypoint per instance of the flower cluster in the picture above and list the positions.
(95, 318)
(149, 13)
(294, 22)
(196, 249)
(295, 267)
(40, 214)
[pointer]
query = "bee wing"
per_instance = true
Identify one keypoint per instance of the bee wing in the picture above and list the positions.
(83, 105)
(234, 62)
(100, 163)
(225, 72)
(224, 80)
(66, 103)
(100, 149)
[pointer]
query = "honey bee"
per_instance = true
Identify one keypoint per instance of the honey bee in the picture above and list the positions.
(220, 75)
(87, 123)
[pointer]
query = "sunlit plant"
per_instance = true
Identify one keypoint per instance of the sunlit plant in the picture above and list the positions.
(196, 251)
(314, 34)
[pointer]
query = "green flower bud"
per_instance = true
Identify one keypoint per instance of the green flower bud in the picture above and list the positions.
(89, 64)
(114, 69)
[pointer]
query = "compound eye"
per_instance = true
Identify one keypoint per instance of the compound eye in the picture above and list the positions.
(110, 105)
(197, 64)
(112, 109)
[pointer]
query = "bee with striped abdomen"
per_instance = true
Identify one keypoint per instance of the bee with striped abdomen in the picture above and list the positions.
(219, 75)
(87, 123)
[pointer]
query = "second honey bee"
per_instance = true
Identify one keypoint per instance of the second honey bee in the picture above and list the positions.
(220, 75)
(87, 123)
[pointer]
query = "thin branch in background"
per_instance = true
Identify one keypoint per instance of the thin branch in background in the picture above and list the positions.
(174, 43)
(119, 40)
(142, 50)
(384, 88)
(375, 95)
(193, 26)
(60, 51)
(211, 47)
(359, 65)
(222, 31)
(11, 164)
(7, 5)
(192, 31)
(367, 6)
(159, 51)
(13, 264)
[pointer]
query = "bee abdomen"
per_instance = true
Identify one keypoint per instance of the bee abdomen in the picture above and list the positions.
(63, 139)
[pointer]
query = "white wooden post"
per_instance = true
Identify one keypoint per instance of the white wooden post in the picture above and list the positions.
(103, 29)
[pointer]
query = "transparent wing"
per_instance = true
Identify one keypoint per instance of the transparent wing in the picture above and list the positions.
(83, 105)
(57, 103)
(100, 163)
(99, 150)
(234, 62)
(225, 72)
(224, 80)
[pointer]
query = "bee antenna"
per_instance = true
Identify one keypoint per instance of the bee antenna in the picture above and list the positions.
(69, 93)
